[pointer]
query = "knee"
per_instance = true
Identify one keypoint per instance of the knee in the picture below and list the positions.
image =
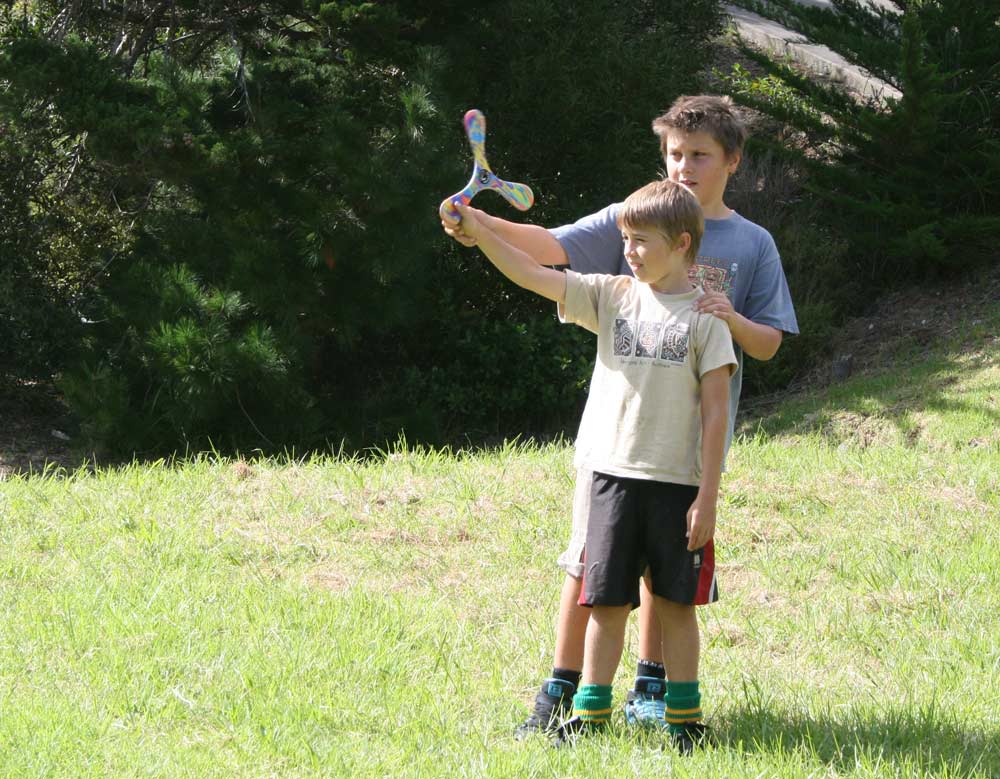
(671, 613)
(610, 616)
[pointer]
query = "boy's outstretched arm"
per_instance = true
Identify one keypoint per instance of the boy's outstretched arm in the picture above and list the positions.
(511, 261)
(535, 241)
(714, 418)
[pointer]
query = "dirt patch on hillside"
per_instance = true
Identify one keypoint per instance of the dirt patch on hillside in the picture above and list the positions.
(33, 429)
(904, 322)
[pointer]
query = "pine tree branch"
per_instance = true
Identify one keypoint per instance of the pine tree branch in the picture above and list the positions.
(139, 47)
(77, 156)
(241, 75)
(60, 26)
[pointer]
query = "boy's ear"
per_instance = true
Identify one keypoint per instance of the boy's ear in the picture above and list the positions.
(683, 242)
(734, 162)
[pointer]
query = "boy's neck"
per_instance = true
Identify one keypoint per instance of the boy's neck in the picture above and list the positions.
(717, 210)
(678, 287)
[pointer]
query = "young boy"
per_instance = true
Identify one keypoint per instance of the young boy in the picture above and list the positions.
(653, 434)
(701, 139)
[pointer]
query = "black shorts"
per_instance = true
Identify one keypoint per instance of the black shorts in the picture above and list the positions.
(637, 522)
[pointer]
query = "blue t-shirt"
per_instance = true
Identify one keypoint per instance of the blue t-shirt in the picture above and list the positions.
(736, 256)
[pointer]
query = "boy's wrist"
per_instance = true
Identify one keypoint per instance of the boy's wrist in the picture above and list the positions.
(737, 326)
(483, 230)
(708, 492)
(486, 220)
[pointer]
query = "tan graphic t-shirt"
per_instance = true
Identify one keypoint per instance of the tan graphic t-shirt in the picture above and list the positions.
(643, 413)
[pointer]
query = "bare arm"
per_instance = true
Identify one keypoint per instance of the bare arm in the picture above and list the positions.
(714, 418)
(534, 240)
(514, 263)
(757, 340)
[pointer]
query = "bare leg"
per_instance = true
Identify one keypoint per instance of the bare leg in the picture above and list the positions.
(650, 632)
(681, 647)
(604, 645)
(571, 629)
(644, 705)
(681, 641)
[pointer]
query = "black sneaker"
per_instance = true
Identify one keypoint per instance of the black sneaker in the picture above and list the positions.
(695, 735)
(566, 735)
(553, 703)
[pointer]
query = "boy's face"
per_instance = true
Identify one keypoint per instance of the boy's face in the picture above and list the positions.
(655, 259)
(699, 162)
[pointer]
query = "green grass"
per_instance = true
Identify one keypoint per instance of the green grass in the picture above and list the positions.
(393, 617)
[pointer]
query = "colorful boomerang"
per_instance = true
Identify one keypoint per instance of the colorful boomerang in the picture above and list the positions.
(518, 195)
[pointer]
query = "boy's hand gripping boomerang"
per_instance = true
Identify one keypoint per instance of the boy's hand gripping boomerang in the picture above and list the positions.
(518, 195)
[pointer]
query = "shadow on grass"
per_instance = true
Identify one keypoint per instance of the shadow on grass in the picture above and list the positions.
(923, 739)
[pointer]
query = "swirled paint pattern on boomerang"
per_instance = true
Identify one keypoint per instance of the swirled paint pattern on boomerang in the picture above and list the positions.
(518, 195)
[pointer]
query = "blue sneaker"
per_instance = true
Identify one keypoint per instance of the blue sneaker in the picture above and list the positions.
(645, 705)
(553, 704)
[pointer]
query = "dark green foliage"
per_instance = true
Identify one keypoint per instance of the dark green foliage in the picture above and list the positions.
(54, 238)
(260, 262)
(913, 181)
(573, 87)
(770, 190)
(213, 328)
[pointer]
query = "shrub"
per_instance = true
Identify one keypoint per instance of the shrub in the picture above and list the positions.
(910, 181)
(280, 278)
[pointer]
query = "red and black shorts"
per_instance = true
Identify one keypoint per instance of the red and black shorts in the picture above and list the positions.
(635, 523)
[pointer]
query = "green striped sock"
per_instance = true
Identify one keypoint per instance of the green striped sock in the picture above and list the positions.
(683, 705)
(592, 703)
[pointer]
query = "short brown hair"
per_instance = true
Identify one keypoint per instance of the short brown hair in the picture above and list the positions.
(715, 114)
(668, 207)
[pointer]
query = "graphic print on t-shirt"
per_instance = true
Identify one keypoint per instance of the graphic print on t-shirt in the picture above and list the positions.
(649, 339)
(624, 337)
(714, 275)
(658, 341)
(675, 343)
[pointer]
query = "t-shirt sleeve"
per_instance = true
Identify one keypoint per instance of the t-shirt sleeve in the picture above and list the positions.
(768, 300)
(715, 345)
(583, 299)
(593, 244)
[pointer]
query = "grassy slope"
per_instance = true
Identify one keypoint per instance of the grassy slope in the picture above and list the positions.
(393, 617)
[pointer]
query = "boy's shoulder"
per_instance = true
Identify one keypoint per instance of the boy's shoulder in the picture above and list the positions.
(736, 223)
(614, 281)
(611, 288)
(604, 219)
(736, 239)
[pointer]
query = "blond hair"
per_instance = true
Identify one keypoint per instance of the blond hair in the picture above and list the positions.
(667, 207)
(715, 114)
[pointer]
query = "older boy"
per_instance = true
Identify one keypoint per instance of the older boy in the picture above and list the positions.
(701, 139)
(652, 436)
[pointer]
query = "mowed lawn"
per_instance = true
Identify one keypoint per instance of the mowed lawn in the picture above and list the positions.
(392, 617)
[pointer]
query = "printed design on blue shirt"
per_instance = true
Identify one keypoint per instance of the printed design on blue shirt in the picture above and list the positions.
(714, 275)
(661, 342)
